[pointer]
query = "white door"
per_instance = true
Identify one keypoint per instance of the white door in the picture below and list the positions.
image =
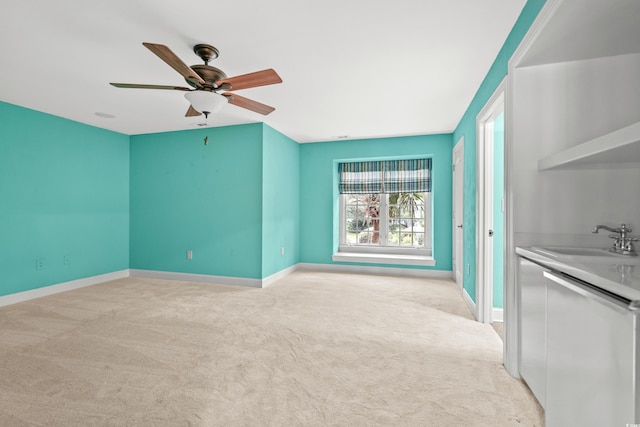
(458, 212)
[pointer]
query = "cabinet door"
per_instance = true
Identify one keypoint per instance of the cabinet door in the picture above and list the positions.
(533, 347)
(590, 357)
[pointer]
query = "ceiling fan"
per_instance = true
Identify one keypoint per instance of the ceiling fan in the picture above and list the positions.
(206, 82)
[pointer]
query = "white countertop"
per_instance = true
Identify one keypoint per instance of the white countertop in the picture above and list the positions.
(621, 278)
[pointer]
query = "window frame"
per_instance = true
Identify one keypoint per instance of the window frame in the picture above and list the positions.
(384, 253)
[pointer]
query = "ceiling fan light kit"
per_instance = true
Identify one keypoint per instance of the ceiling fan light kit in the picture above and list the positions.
(207, 81)
(205, 102)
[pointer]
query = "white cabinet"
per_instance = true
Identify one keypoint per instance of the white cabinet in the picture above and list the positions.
(579, 348)
(591, 357)
(533, 326)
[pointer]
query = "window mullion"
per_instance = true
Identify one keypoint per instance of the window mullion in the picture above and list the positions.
(427, 220)
(343, 219)
(384, 219)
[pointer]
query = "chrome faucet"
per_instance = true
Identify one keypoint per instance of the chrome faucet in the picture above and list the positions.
(613, 230)
(623, 243)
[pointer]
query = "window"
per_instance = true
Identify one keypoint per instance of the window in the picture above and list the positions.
(385, 212)
(396, 220)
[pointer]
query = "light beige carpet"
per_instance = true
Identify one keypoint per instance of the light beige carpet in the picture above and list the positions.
(499, 328)
(314, 349)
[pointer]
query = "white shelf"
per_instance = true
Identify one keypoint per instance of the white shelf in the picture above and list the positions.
(613, 149)
(588, 29)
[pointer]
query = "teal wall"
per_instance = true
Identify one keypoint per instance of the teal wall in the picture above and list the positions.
(467, 128)
(280, 202)
(498, 215)
(64, 199)
(206, 198)
(319, 194)
(87, 201)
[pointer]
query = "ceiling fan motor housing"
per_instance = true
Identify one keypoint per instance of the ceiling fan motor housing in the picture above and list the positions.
(209, 74)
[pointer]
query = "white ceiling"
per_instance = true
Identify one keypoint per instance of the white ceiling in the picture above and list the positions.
(356, 68)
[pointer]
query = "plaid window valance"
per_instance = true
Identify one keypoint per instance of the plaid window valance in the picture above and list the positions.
(389, 176)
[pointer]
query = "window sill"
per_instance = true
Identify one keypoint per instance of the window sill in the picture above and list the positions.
(376, 258)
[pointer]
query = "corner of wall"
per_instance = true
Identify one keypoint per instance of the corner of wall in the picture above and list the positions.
(467, 128)
(281, 202)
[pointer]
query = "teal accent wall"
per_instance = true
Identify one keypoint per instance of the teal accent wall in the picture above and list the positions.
(280, 202)
(186, 195)
(498, 215)
(319, 234)
(467, 128)
(64, 200)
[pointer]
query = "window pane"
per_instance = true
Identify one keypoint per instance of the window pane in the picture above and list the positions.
(406, 205)
(406, 211)
(393, 239)
(375, 238)
(370, 211)
(406, 239)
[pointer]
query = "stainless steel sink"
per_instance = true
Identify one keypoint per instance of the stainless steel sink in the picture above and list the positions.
(577, 251)
(586, 254)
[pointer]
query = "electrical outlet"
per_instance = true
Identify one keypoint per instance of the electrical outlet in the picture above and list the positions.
(67, 259)
(282, 251)
(39, 263)
(189, 255)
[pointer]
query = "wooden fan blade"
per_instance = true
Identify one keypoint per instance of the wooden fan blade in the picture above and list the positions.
(192, 112)
(164, 53)
(249, 104)
(259, 78)
(136, 86)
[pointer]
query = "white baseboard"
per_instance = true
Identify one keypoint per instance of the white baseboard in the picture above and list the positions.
(497, 315)
(472, 305)
(279, 275)
(61, 287)
(220, 280)
(200, 278)
(360, 269)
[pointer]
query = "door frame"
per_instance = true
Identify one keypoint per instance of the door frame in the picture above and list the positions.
(484, 201)
(459, 260)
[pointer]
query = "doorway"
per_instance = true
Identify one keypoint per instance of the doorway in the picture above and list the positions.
(490, 208)
(458, 213)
